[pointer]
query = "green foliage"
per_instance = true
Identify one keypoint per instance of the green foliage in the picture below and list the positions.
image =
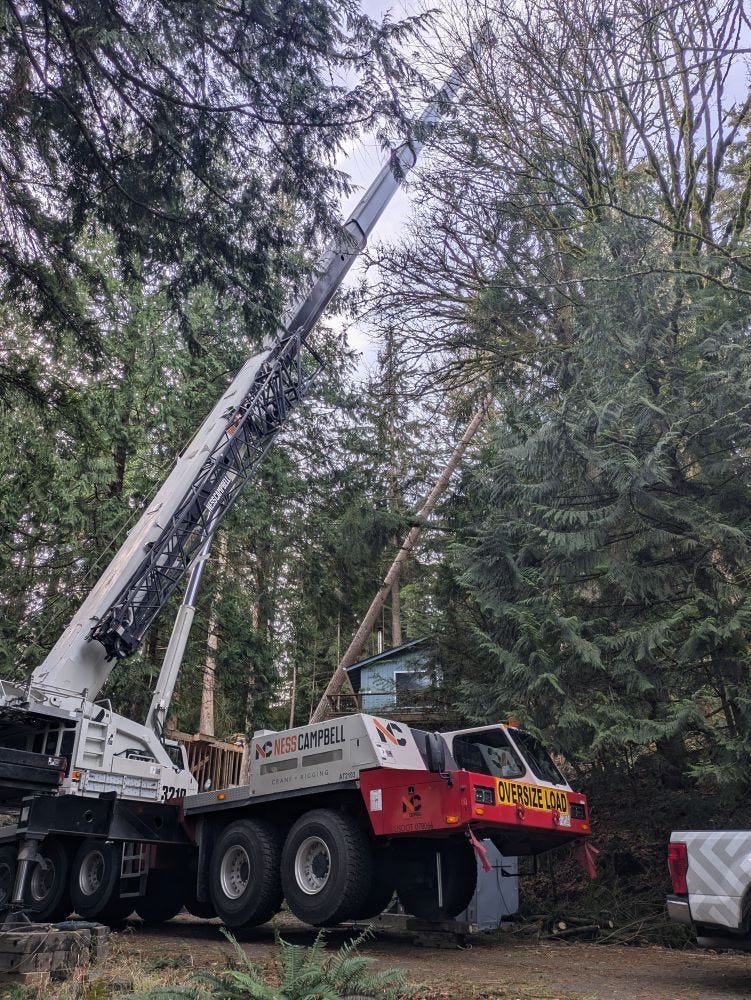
(609, 570)
(19, 993)
(304, 973)
(99, 990)
(372, 466)
(573, 254)
(200, 136)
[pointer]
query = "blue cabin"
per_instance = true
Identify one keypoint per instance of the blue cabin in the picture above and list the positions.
(403, 679)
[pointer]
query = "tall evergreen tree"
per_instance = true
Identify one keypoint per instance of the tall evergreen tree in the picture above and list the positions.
(583, 243)
(610, 573)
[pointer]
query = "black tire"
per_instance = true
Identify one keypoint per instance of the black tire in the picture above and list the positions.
(8, 863)
(196, 907)
(382, 885)
(417, 877)
(165, 897)
(48, 889)
(327, 867)
(95, 883)
(244, 875)
(116, 910)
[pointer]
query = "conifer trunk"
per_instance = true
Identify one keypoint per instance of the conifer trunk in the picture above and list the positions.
(206, 721)
(250, 703)
(393, 405)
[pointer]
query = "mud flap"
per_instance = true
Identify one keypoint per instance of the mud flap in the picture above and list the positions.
(480, 851)
(586, 854)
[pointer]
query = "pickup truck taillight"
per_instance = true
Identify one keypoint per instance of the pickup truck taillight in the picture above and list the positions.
(678, 865)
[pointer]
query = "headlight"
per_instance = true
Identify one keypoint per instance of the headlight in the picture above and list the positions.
(484, 795)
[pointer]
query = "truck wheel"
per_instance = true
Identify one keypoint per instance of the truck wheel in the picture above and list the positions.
(48, 891)
(8, 861)
(116, 909)
(164, 898)
(417, 878)
(94, 883)
(382, 885)
(196, 907)
(244, 873)
(327, 867)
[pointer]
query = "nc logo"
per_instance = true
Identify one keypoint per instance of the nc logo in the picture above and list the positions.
(263, 750)
(411, 804)
(390, 732)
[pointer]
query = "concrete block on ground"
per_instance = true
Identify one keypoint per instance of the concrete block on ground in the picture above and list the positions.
(51, 949)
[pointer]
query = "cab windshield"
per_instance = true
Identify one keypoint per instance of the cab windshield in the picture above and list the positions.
(488, 752)
(538, 758)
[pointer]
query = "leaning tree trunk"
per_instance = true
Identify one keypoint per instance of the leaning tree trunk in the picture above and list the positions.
(340, 679)
(396, 614)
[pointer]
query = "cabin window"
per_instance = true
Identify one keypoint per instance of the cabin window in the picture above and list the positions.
(488, 752)
(405, 685)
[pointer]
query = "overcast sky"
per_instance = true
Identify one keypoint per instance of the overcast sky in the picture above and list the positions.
(362, 161)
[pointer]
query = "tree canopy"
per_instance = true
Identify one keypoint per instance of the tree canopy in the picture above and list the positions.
(199, 136)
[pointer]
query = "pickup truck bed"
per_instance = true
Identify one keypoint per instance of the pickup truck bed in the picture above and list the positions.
(711, 873)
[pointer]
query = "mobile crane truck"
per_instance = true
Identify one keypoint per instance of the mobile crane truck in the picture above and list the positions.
(335, 816)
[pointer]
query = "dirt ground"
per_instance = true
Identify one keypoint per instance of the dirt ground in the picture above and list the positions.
(502, 970)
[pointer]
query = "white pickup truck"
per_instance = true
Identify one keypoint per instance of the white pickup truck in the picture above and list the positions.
(711, 875)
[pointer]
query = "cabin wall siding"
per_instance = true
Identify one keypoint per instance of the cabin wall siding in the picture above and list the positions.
(378, 684)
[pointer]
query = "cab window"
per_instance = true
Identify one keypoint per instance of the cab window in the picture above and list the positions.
(487, 752)
(175, 752)
(538, 758)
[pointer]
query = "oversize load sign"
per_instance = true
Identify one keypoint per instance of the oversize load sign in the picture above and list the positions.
(511, 793)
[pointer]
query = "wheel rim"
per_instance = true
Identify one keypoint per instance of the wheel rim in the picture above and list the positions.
(312, 865)
(42, 879)
(91, 873)
(234, 873)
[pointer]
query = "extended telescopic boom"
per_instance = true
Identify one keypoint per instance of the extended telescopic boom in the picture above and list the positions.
(223, 455)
